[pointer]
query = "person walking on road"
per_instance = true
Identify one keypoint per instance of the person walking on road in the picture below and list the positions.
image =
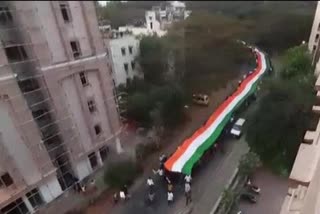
(170, 198)
(187, 191)
(170, 187)
(150, 183)
(188, 179)
(159, 171)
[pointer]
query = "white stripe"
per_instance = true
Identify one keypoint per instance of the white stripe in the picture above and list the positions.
(178, 165)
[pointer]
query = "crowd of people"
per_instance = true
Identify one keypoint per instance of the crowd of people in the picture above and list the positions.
(161, 173)
(123, 194)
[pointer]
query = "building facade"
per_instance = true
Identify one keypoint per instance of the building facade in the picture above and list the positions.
(124, 50)
(303, 195)
(58, 110)
(160, 18)
(313, 44)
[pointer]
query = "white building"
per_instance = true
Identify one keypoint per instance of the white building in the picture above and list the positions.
(124, 47)
(124, 42)
(159, 19)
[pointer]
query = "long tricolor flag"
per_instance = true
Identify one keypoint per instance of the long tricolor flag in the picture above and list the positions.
(194, 147)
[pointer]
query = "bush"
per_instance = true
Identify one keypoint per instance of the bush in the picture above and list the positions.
(121, 173)
(248, 164)
(143, 150)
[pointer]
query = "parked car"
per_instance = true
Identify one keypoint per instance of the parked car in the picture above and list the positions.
(237, 128)
(200, 99)
(249, 197)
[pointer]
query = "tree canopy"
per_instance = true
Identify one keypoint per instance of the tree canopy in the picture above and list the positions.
(153, 58)
(276, 128)
(206, 50)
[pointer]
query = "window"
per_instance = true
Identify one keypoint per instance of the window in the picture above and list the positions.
(92, 106)
(319, 26)
(123, 51)
(317, 38)
(5, 15)
(151, 25)
(83, 79)
(126, 67)
(65, 11)
(130, 49)
(104, 152)
(34, 198)
(150, 17)
(6, 180)
(75, 47)
(28, 85)
(114, 83)
(16, 53)
(93, 160)
(16, 207)
(97, 129)
(133, 65)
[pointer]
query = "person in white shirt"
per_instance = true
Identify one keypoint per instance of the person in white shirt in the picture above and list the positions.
(170, 198)
(122, 195)
(159, 171)
(187, 191)
(150, 182)
(188, 179)
(187, 188)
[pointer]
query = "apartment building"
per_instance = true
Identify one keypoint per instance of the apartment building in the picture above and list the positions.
(124, 47)
(314, 40)
(58, 113)
(160, 18)
(304, 181)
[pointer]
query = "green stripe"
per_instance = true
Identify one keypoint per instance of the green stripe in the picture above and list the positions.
(187, 168)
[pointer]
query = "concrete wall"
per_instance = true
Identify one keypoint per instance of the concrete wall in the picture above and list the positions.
(71, 98)
(51, 30)
(118, 60)
(50, 189)
(83, 168)
(314, 29)
(15, 146)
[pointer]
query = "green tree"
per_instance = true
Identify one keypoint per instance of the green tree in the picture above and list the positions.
(206, 46)
(248, 164)
(139, 106)
(296, 62)
(277, 126)
(153, 59)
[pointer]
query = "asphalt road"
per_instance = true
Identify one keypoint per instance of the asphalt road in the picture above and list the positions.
(208, 183)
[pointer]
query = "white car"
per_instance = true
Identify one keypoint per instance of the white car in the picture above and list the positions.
(237, 128)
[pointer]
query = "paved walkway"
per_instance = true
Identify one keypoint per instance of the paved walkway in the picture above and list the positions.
(273, 190)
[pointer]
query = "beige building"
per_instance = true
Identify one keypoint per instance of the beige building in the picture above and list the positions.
(303, 195)
(313, 44)
(58, 114)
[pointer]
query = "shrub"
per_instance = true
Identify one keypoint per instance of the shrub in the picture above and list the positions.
(121, 173)
(248, 163)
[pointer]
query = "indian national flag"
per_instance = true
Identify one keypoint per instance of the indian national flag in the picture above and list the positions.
(194, 147)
